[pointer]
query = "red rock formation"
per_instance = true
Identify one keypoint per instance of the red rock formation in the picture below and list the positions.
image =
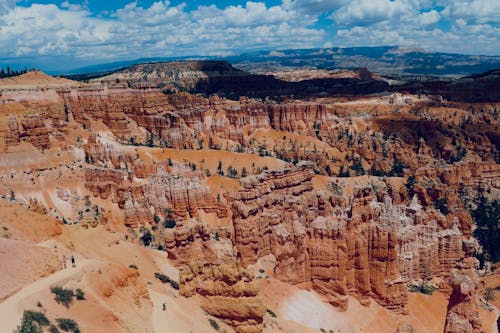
(296, 117)
(279, 213)
(462, 315)
(228, 292)
(182, 192)
(105, 183)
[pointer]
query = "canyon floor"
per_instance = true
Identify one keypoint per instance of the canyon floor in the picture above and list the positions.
(193, 213)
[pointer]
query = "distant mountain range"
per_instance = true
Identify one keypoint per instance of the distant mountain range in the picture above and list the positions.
(209, 77)
(386, 60)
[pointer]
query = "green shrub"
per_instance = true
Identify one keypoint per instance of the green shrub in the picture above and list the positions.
(165, 279)
(442, 205)
(174, 284)
(486, 217)
(80, 295)
(169, 219)
(53, 329)
(37, 317)
(397, 169)
(68, 325)
(32, 322)
(28, 327)
(63, 296)
(214, 324)
(162, 277)
(358, 169)
(410, 184)
(424, 288)
(271, 313)
(147, 238)
(343, 173)
(170, 224)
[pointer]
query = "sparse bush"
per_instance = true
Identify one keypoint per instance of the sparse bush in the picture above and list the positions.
(32, 322)
(410, 183)
(162, 277)
(397, 169)
(220, 172)
(442, 205)
(53, 329)
(358, 169)
(37, 317)
(80, 295)
(343, 173)
(376, 172)
(271, 313)
(133, 266)
(63, 296)
(424, 288)
(170, 222)
(328, 170)
(214, 324)
(165, 279)
(486, 217)
(232, 172)
(68, 325)
(147, 238)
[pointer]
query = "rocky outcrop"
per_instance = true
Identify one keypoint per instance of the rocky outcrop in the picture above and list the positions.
(31, 128)
(106, 183)
(120, 109)
(280, 213)
(182, 192)
(228, 292)
(171, 76)
(462, 315)
(365, 247)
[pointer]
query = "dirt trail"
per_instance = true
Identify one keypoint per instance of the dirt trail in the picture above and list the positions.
(11, 310)
(181, 315)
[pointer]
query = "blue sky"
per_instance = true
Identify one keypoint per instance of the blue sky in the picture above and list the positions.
(64, 34)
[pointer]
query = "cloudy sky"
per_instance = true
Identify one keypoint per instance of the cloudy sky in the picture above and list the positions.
(63, 34)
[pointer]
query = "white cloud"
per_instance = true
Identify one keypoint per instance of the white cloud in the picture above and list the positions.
(477, 11)
(6, 5)
(314, 6)
(428, 18)
(365, 12)
(158, 30)
(163, 29)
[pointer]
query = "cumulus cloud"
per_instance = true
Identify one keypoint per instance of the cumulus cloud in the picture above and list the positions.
(428, 18)
(71, 31)
(314, 6)
(366, 12)
(477, 11)
(7, 5)
(472, 24)
(158, 30)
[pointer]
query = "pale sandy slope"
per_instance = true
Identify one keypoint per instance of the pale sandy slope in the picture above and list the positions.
(12, 310)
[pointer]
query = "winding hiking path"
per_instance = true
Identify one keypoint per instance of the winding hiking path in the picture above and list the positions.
(11, 310)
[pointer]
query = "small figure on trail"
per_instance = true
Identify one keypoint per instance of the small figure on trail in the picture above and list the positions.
(73, 261)
(164, 306)
(64, 261)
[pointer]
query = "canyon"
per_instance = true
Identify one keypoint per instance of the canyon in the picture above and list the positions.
(358, 204)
